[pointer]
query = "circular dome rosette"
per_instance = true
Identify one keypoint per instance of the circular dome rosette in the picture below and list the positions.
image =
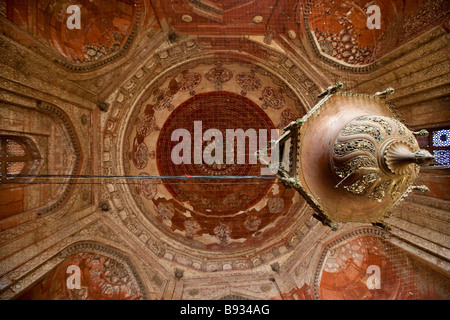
(207, 205)
(213, 111)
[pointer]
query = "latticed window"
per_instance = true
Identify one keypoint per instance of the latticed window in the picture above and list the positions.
(438, 143)
(15, 157)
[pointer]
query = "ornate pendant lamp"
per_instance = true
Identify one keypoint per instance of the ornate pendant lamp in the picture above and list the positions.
(350, 158)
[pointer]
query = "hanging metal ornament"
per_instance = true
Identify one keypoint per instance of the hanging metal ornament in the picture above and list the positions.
(350, 157)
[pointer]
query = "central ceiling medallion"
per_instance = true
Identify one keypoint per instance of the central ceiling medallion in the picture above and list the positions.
(227, 114)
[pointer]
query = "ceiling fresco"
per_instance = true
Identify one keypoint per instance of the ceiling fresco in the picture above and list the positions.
(131, 106)
(219, 17)
(337, 29)
(107, 28)
(221, 96)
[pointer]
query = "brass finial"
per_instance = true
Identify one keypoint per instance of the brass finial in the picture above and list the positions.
(384, 93)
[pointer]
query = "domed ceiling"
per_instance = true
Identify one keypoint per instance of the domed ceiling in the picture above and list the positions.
(107, 28)
(107, 25)
(163, 67)
(202, 210)
(103, 278)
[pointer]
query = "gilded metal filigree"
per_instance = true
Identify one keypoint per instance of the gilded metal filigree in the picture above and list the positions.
(396, 188)
(363, 163)
(363, 183)
(353, 165)
(356, 136)
(380, 191)
(400, 127)
(387, 127)
(343, 148)
(349, 130)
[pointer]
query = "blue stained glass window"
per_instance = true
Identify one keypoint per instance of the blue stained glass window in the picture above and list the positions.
(442, 157)
(441, 138)
(438, 143)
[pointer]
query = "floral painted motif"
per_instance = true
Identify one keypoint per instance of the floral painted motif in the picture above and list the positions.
(188, 81)
(222, 232)
(166, 210)
(252, 223)
(146, 187)
(146, 124)
(139, 154)
(248, 81)
(191, 227)
(276, 205)
(287, 116)
(219, 75)
(272, 98)
(163, 99)
(235, 200)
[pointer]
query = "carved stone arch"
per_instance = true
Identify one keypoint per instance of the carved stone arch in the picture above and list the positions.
(339, 65)
(96, 247)
(88, 66)
(350, 45)
(50, 132)
(61, 116)
(25, 152)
